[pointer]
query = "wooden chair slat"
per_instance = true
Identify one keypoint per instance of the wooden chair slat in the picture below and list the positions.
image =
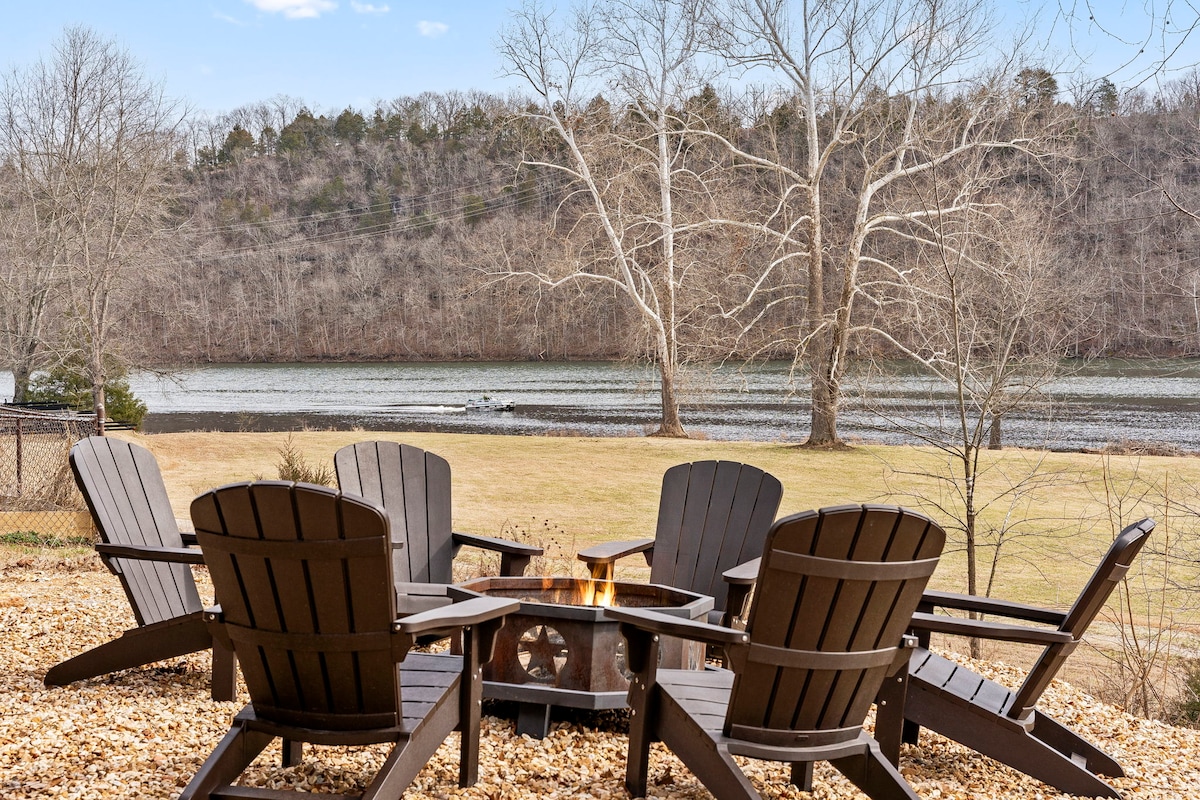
(705, 513)
(1004, 724)
(414, 487)
(437, 515)
(821, 642)
(326, 659)
(128, 502)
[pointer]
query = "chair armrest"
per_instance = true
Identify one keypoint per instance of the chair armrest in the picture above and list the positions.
(456, 615)
(600, 557)
(611, 551)
(986, 629)
(667, 625)
(988, 605)
(514, 556)
(174, 555)
(497, 545)
(744, 574)
(414, 598)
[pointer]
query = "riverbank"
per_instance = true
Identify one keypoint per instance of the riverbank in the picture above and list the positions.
(1092, 404)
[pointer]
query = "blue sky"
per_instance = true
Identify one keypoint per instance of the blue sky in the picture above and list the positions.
(221, 54)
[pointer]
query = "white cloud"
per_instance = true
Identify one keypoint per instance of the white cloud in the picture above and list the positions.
(295, 9)
(432, 29)
(369, 8)
(226, 18)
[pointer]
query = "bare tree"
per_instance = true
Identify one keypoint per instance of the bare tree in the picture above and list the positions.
(27, 282)
(987, 313)
(627, 154)
(878, 92)
(94, 142)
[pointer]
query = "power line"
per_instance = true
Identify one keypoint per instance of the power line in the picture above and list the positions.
(365, 232)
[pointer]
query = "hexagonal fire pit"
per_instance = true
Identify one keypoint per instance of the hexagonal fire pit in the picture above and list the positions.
(558, 648)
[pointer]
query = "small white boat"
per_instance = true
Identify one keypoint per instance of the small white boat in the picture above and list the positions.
(487, 403)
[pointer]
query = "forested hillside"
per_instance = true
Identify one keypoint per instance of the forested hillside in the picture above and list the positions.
(373, 237)
(318, 238)
(384, 233)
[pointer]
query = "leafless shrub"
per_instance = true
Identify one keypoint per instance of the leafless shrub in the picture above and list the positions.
(294, 467)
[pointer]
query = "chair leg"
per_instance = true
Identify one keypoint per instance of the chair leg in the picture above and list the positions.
(470, 700)
(637, 764)
(224, 673)
(134, 648)
(802, 775)
(293, 753)
(1004, 740)
(642, 652)
(707, 760)
(230, 758)
(889, 715)
(393, 777)
(1074, 746)
(877, 777)
(513, 565)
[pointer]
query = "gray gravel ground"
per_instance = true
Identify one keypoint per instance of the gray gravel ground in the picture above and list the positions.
(144, 732)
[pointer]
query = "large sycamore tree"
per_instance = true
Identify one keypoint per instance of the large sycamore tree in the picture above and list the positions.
(91, 144)
(872, 97)
(613, 84)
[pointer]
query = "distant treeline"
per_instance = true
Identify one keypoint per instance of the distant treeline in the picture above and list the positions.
(363, 236)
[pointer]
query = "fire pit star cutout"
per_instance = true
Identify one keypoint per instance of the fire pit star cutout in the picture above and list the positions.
(543, 653)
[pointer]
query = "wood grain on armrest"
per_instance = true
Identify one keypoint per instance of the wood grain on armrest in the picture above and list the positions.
(495, 544)
(173, 555)
(667, 625)
(989, 605)
(457, 615)
(745, 573)
(1000, 631)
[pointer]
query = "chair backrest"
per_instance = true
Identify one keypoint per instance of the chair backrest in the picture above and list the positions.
(712, 515)
(303, 576)
(128, 501)
(1095, 594)
(836, 591)
(413, 486)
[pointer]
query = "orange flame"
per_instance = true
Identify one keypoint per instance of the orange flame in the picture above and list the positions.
(599, 593)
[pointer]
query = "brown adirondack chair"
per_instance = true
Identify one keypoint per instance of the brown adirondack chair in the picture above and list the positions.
(954, 701)
(304, 574)
(836, 590)
(141, 545)
(713, 517)
(413, 485)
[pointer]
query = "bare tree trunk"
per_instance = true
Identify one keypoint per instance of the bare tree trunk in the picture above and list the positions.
(21, 375)
(824, 406)
(671, 425)
(971, 517)
(101, 411)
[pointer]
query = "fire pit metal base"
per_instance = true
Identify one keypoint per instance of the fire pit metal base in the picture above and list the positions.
(555, 650)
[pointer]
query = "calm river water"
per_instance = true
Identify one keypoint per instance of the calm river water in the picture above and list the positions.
(1101, 402)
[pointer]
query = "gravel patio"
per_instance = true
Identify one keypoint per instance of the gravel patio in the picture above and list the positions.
(143, 733)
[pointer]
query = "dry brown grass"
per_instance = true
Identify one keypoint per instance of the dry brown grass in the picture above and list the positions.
(593, 489)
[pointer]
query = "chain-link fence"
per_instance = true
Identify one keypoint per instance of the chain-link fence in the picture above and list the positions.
(37, 492)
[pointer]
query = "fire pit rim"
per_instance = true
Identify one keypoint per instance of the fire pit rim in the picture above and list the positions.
(696, 606)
